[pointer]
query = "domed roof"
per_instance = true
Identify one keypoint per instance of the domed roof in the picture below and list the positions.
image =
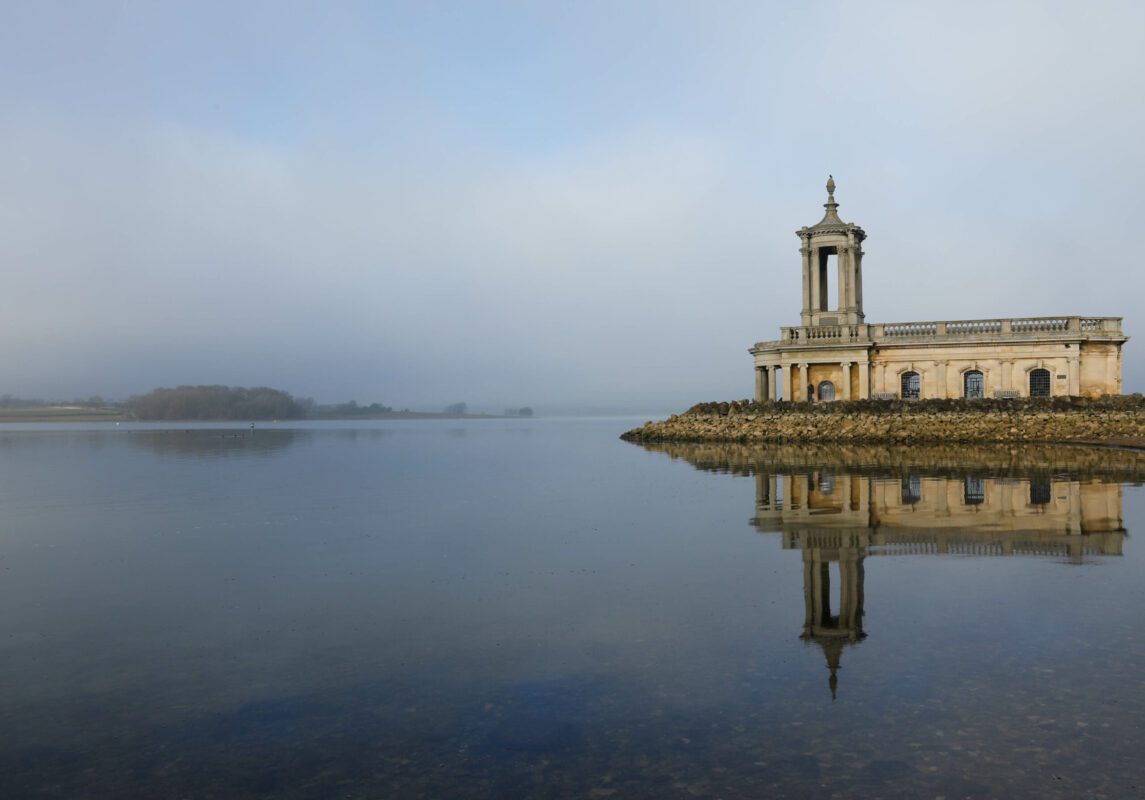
(831, 222)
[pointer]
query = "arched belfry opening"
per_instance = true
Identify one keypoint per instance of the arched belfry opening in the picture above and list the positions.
(832, 268)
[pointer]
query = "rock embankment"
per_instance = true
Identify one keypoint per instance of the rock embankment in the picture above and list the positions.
(1059, 419)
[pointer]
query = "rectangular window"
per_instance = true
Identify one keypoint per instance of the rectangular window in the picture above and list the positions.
(974, 491)
(911, 490)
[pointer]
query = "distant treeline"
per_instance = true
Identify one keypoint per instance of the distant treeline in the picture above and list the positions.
(233, 403)
(215, 402)
(342, 410)
(11, 401)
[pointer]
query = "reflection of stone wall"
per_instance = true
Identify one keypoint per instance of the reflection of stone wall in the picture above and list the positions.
(797, 422)
(916, 515)
(986, 500)
(1077, 462)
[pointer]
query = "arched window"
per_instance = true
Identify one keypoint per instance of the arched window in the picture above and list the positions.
(1039, 383)
(826, 390)
(911, 386)
(974, 384)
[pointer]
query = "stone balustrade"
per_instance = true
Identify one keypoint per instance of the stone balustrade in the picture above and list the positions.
(947, 330)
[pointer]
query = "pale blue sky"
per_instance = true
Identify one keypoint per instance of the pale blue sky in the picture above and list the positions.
(555, 204)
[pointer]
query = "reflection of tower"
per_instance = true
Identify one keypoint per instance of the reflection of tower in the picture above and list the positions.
(840, 505)
(830, 631)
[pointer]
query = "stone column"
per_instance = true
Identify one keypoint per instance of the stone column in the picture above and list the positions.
(773, 386)
(880, 378)
(844, 284)
(1007, 374)
(788, 382)
(760, 384)
(803, 382)
(808, 281)
(790, 494)
(943, 390)
(813, 261)
(1074, 374)
(864, 380)
(845, 394)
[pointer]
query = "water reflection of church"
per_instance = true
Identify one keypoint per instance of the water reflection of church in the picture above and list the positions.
(838, 520)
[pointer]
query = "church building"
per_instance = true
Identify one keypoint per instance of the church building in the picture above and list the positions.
(835, 354)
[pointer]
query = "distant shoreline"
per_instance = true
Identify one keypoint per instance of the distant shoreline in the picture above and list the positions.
(90, 415)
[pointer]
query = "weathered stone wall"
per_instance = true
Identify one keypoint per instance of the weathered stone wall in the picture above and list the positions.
(1053, 420)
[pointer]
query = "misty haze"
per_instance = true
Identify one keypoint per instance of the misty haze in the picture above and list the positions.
(320, 327)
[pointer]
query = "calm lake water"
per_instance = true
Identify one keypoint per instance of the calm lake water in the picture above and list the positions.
(532, 608)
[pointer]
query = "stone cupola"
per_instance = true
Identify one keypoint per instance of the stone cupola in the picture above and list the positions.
(832, 268)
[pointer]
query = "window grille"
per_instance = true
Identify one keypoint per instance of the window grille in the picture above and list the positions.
(1040, 383)
(911, 386)
(911, 490)
(974, 384)
(1041, 491)
(973, 491)
(826, 390)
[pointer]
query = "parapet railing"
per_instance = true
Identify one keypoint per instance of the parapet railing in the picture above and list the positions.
(995, 327)
(945, 329)
(825, 334)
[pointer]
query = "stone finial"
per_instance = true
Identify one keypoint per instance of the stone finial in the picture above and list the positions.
(832, 215)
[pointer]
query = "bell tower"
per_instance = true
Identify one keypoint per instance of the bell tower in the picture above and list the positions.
(832, 252)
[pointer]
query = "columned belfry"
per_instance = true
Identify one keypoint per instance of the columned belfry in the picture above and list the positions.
(832, 253)
(835, 354)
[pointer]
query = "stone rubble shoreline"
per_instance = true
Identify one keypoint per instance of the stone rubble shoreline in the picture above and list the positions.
(1117, 420)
